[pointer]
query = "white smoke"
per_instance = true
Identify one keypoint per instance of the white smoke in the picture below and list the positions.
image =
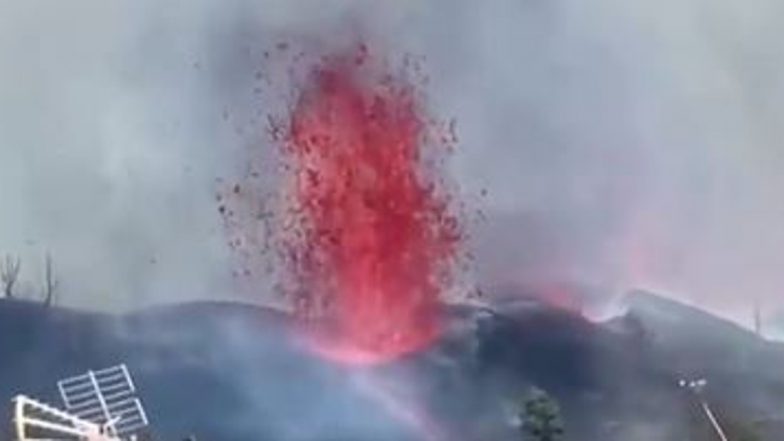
(620, 143)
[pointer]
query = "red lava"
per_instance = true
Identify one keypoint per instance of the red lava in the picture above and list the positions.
(370, 241)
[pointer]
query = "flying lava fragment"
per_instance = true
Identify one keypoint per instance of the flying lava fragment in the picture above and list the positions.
(368, 232)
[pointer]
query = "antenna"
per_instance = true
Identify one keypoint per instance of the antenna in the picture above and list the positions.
(757, 318)
(105, 397)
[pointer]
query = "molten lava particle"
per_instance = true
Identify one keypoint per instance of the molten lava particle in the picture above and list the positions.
(369, 241)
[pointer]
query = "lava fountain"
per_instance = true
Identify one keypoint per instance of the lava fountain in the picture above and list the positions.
(369, 237)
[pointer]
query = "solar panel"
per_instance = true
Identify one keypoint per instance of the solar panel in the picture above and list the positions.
(105, 397)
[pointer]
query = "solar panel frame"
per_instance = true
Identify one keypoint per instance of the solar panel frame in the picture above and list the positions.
(105, 396)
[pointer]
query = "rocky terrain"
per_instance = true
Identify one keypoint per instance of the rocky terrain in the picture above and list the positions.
(238, 372)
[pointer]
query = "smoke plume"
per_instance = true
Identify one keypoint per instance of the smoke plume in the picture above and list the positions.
(619, 144)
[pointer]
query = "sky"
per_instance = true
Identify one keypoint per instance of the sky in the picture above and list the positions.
(621, 144)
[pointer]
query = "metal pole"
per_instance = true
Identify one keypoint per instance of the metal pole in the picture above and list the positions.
(714, 422)
(108, 424)
(19, 403)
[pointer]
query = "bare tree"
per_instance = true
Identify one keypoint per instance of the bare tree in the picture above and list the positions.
(9, 273)
(50, 281)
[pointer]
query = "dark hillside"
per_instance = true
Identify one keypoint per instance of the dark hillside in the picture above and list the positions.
(234, 372)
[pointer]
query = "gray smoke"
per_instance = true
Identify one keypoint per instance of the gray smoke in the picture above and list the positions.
(620, 144)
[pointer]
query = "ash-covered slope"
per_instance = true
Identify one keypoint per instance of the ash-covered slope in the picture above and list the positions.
(235, 372)
(746, 372)
(774, 326)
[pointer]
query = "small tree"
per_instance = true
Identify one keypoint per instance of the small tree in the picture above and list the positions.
(9, 273)
(540, 418)
(50, 281)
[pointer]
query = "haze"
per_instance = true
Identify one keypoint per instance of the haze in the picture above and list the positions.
(621, 144)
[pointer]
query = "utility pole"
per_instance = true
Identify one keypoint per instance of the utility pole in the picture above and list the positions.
(697, 386)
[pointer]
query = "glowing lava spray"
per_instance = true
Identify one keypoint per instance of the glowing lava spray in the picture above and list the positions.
(370, 239)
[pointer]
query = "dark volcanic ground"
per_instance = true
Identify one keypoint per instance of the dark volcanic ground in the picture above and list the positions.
(234, 372)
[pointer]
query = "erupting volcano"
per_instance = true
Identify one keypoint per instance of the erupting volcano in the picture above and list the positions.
(364, 226)
(370, 241)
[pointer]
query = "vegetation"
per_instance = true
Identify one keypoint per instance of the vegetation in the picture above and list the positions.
(540, 418)
(10, 268)
(50, 281)
(9, 273)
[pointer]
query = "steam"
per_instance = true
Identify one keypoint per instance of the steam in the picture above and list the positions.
(620, 144)
(626, 145)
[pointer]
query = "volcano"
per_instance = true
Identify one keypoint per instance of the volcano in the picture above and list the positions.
(230, 371)
(367, 233)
